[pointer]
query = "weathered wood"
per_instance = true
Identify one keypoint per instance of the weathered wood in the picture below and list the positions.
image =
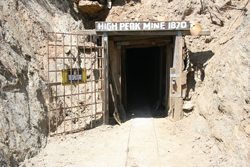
(123, 78)
(145, 41)
(178, 113)
(142, 26)
(160, 76)
(186, 32)
(111, 64)
(118, 54)
(168, 65)
(114, 76)
(116, 113)
(138, 37)
(171, 99)
(144, 46)
(106, 59)
(90, 31)
(143, 33)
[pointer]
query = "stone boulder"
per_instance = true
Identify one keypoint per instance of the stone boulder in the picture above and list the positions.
(90, 8)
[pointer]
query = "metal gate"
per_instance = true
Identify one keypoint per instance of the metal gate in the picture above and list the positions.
(76, 81)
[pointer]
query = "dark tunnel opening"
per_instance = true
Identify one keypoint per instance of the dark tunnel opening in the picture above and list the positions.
(145, 73)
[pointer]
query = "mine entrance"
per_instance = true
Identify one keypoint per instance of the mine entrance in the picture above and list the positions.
(140, 66)
(145, 77)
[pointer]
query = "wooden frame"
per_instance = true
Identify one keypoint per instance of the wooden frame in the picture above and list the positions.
(176, 100)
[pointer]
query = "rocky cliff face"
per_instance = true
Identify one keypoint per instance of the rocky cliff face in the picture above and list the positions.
(218, 79)
(23, 32)
(223, 98)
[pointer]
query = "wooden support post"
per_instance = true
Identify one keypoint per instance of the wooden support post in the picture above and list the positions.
(123, 78)
(168, 88)
(171, 91)
(176, 96)
(118, 54)
(106, 71)
(160, 83)
(111, 70)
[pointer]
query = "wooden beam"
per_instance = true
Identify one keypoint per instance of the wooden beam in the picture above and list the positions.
(87, 32)
(111, 64)
(142, 33)
(160, 77)
(146, 41)
(137, 37)
(171, 99)
(160, 32)
(177, 65)
(123, 78)
(118, 54)
(168, 88)
(106, 67)
(144, 46)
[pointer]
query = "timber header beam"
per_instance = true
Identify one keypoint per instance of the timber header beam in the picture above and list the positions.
(172, 33)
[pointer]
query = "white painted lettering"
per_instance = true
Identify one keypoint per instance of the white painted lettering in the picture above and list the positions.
(100, 26)
(126, 26)
(105, 26)
(137, 26)
(162, 25)
(109, 26)
(183, 25)
(114, 26)
(156, 25)
(146, 26)
(132, 26)
(122, 25)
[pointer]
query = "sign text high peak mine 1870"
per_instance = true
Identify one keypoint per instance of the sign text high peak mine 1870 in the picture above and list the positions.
(142, 26)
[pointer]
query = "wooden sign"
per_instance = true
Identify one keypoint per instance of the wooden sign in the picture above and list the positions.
(142, 26)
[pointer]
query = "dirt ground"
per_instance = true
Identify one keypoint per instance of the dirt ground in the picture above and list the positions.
(147, 139)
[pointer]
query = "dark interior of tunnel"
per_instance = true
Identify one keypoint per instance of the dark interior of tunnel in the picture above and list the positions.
(145, 76)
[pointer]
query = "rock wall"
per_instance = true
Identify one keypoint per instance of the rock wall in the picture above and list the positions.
(23, 32)
(223, 98)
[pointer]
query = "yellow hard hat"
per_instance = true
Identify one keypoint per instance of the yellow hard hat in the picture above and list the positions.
(195, 29)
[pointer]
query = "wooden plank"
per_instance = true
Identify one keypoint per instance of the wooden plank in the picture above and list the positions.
(144, 33)
(106, 59)
(178, 113)
(111, 63)
(186, 32)
(90, 31)
(116, 114)
(118, 54)
(142, 26)
(141, 42)
(168, 65)
(160, 76)
(145, 46)
(123, 78)
(171, 99)
(138, 37)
